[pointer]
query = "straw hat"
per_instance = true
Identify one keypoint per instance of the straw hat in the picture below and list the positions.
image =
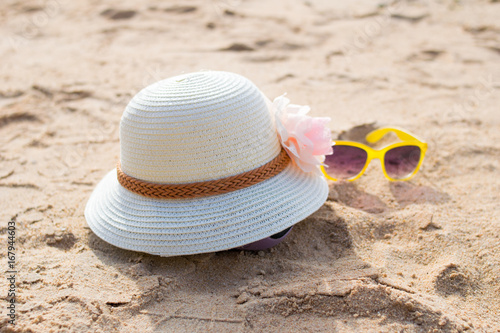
(180, 139)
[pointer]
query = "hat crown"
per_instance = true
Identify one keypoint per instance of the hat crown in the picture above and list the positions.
(196, 127)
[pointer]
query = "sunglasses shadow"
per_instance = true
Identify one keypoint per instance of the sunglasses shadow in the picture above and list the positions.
(407, 193)
(349, 194)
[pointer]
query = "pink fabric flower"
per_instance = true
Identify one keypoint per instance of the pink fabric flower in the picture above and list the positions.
(306, 139)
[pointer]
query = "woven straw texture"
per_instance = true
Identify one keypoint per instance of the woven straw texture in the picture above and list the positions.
(196, 127)
(192, 128)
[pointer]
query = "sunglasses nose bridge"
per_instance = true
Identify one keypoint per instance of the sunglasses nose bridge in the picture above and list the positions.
(377, 155)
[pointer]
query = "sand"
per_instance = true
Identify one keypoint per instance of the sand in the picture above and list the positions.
(416, 256)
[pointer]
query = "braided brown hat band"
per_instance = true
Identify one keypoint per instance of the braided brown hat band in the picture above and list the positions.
(206, 188)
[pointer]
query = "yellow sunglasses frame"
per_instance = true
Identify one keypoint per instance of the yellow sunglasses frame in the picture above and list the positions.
(407, 138)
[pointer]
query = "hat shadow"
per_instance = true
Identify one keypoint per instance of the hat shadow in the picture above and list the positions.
(318, 244)
(323, 237)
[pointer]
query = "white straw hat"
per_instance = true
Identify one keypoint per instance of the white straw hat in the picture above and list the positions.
(195, 129)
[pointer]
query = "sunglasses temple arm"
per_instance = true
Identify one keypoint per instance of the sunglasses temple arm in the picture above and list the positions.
(378, 134)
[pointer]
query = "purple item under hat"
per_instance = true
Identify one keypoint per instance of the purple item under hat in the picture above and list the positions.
(266, 243)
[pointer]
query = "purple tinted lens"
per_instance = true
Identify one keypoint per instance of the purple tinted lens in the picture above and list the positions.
(401, 162)
(345, 162)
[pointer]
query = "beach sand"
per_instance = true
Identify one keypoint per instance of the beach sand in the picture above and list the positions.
(379, 256)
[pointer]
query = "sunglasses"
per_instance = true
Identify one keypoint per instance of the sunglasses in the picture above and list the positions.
(400, 161)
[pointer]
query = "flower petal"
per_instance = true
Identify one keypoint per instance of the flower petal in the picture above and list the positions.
(305, 138)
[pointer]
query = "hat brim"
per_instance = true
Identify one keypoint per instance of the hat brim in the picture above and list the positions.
(170, 227)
